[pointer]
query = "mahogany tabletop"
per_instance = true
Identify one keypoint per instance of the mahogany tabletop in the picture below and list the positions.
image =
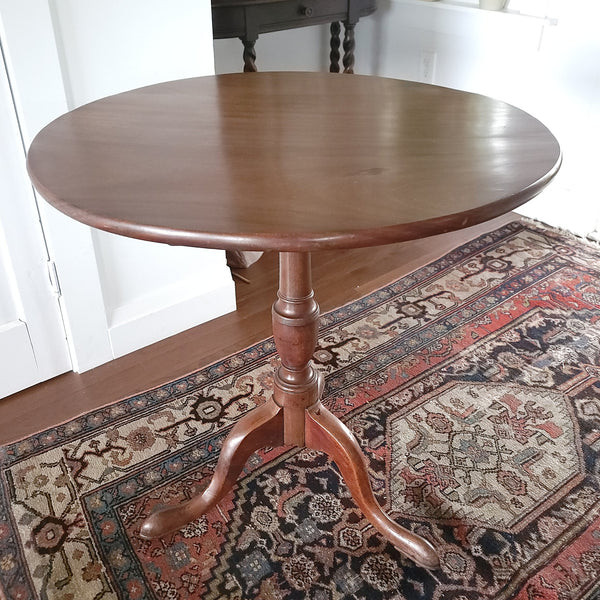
(291, 161)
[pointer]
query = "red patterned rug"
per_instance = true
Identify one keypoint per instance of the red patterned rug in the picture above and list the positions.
(473, 387)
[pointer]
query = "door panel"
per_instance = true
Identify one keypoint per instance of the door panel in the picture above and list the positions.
(32, 338)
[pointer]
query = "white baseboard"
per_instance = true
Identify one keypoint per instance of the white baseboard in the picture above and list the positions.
(18, 367)
(146, 321)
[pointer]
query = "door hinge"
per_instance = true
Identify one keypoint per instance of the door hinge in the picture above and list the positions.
(53, 276)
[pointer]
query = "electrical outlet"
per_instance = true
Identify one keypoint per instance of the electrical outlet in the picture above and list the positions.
(427, 66)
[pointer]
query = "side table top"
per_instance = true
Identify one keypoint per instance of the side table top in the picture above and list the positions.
(291, 161)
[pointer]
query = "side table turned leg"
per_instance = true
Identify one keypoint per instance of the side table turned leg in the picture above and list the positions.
(334, 45)
(249, 56)
(349, 47)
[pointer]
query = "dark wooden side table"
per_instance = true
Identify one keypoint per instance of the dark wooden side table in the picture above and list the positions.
(247, 19)
(272, 161)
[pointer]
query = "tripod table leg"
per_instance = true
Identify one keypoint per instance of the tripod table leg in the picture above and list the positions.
(325, 432)
(259, 428)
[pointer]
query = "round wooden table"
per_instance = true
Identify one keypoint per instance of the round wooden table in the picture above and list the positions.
(293, 162)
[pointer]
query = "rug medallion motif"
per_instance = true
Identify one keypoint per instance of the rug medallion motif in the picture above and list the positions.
(473, 387)
(491, 454)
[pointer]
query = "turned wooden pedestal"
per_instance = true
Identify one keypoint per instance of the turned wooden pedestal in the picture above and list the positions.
(295, 416)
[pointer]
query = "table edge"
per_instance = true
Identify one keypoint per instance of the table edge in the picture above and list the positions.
(303, 241)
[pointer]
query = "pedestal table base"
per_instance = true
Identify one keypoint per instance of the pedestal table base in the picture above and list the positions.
(295, 416)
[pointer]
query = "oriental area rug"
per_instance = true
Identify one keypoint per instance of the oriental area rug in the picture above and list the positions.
(473, 387)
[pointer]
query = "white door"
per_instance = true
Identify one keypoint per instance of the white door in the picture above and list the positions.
(33, 344)
(117, 294)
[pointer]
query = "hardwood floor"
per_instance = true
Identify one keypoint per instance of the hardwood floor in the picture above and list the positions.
(338, 277)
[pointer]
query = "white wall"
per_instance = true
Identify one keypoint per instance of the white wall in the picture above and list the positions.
(109, 46)
(303, 49)
(149, 41)
(548, 67)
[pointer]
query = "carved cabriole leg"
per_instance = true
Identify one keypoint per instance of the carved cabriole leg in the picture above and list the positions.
(334, 44)
(259, 428)
(295, 326)
(349, 45)
(325, 432)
